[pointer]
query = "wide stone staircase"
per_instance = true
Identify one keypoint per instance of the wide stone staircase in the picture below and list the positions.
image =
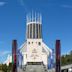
(34, 67)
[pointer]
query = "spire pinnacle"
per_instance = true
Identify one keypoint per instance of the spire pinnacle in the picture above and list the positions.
(34, 18)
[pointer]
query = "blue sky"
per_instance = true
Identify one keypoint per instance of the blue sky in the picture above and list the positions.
(57, 23)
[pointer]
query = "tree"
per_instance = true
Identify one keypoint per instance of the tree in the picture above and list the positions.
(9, 67)
(66, 59)
(0, 66)
(4, 67)
(71, 52)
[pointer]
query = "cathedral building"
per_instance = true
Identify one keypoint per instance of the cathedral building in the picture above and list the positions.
(34, 50)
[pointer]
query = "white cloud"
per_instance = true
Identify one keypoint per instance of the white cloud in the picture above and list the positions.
(66, 6)
(2, 3)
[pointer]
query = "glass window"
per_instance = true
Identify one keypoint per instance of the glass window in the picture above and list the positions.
(39, 43)
(36, 30)
(28, 42)
(39, 30)
(30, 30)
(32, 42)
(33, 30)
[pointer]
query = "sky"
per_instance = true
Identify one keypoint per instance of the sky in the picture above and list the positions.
(56, 23)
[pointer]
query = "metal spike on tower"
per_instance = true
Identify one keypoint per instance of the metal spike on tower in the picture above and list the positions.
(34, 26)
(14, 56)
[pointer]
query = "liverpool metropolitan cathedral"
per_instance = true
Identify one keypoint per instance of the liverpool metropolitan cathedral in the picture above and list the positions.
(34, 51)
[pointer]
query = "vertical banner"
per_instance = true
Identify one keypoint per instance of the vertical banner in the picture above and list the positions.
(20, 59)
(58, 66)
(14, 56)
